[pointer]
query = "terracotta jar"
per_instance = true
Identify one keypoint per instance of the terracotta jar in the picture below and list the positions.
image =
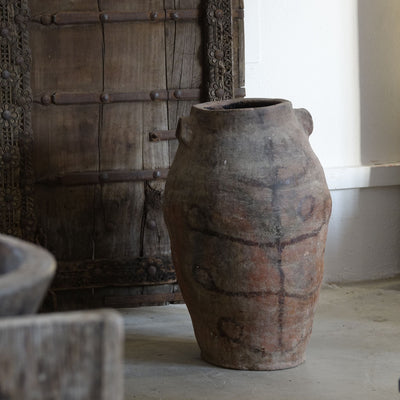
(247, 208)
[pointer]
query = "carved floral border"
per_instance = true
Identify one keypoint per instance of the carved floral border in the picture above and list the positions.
(17, 216)
(219, 49)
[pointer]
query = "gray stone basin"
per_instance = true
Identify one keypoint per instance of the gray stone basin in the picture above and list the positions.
(26, 271)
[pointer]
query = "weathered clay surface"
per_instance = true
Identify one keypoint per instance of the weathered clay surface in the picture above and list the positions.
(26, 271)
(247, 208)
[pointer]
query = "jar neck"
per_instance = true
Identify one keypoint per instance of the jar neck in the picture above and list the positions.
(240, 112)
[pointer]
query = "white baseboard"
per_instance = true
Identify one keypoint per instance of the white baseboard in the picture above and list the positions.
(341, 178)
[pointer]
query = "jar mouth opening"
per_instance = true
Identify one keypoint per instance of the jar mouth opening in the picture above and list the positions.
(240, 104)
(253, 104)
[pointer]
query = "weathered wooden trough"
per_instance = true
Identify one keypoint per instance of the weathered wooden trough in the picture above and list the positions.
(74, 356)
(25, 274)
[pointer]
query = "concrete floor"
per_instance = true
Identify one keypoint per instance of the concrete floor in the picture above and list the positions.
(354, 353)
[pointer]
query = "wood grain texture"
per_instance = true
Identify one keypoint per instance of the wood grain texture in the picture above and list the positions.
(96, 60)
(121, 272)
(238, 47)
(129, 5)
(74, 356)
(119, 206)
(184, 57)
(127, 296)
(59, 65)
(65, 140)
(155, 239)
(50, 7)
(183, 54)
(130, 145)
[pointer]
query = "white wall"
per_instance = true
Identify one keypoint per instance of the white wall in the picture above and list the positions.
(364, 235)
(308, 54)
(379, 49)
(341, 60)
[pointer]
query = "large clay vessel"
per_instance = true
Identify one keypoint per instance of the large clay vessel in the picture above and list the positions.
(247, 208)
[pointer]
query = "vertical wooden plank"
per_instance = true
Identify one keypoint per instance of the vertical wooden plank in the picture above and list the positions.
(65, 220)
(119, 206)
(66, 58)
(75, 356)
(39, 7)
(65, 141)
(134, 60)
(184, 57)
(65, 137)
(155, 238)
(113, 220)
(169, 4)
(184, 52)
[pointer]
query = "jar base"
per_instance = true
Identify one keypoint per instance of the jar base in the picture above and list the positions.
(279, 363)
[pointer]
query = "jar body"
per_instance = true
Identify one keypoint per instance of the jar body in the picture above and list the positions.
(247, 208)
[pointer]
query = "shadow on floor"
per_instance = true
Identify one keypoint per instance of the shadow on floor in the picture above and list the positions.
(141, 348)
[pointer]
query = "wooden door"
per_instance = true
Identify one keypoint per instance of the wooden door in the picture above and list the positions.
(110, 80)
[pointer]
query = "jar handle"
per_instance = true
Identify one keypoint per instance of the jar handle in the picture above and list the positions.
(184, 131)
(305, 119)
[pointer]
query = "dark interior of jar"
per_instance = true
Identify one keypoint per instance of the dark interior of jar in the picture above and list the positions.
(245, 104)
(251, 104)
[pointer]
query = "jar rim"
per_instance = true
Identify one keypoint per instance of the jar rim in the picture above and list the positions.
(241, 104)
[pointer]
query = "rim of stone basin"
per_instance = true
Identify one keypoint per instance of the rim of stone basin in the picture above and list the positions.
(243, 104)
(26, 263)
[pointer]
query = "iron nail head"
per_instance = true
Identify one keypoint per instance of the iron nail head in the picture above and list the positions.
(46, 99)
(6, 115)
(178, 94)
(46, 19)
(154, 95)
(219, 13)
(105, 97)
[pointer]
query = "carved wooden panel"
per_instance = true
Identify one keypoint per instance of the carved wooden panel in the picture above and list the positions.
(16, 173)
(110, 81)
